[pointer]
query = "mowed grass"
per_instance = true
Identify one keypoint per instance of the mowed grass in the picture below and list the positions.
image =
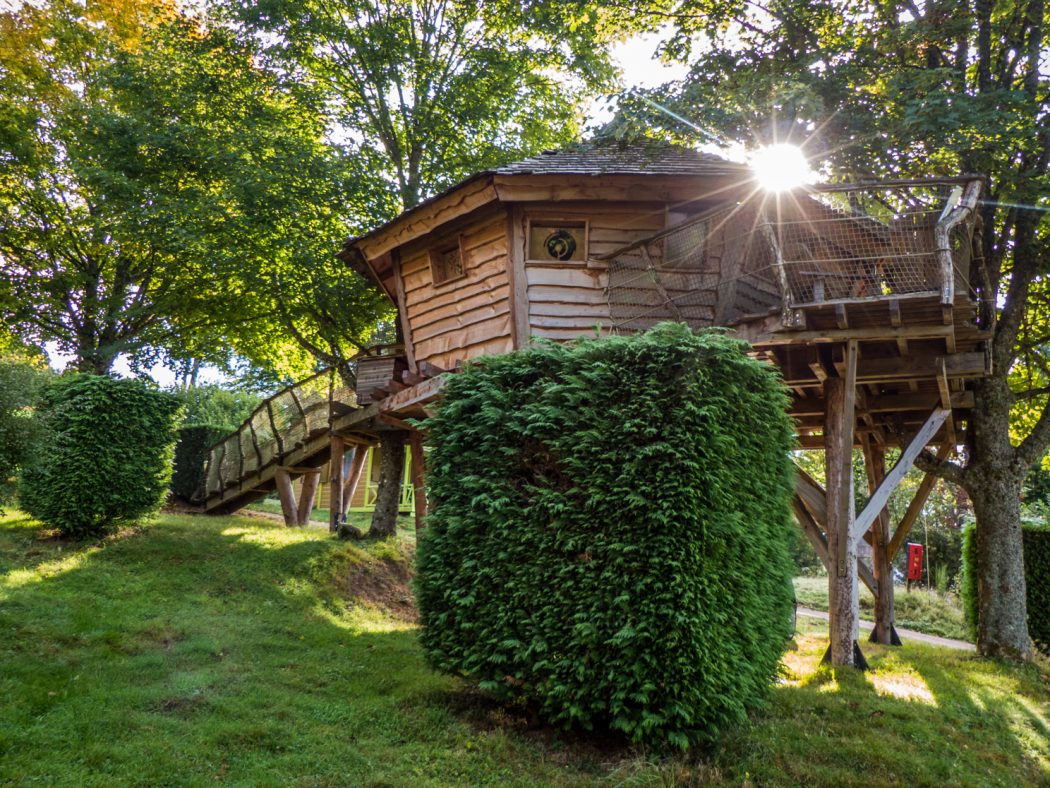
(201, 650)
(919, 609)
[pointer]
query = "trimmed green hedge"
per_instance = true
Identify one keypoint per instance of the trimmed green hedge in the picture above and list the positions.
(609, 538)
(1036, 541)
(105, 456)
(191, 454)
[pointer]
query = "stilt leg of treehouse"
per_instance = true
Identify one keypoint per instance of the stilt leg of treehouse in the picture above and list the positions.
(285, 491)
(353, 478)
(415, 443)
(843, 608)
(335, 477)
(875, 465)
(311, 481)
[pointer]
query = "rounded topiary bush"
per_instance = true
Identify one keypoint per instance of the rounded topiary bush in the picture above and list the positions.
(105, 455)
(609, 537)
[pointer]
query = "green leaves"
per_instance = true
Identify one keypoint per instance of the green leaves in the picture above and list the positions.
(611, 530)
(168, 196)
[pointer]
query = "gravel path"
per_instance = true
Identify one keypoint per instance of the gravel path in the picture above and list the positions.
(905, 634)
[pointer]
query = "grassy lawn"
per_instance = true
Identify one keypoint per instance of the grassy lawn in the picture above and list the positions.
(203, 650)
(919, 609)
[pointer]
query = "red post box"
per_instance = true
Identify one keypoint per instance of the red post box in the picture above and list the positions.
(914, 563)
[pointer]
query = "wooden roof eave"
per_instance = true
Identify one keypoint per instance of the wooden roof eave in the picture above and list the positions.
(489, 187)
(378, 271)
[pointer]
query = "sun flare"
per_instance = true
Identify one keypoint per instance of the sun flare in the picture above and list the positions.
(781, 167)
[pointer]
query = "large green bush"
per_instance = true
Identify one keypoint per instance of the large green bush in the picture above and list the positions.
(106, 454)
(1035, 539)
(610, 529)
(191, 454)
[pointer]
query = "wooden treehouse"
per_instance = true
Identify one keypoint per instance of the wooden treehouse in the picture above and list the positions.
(867, 297)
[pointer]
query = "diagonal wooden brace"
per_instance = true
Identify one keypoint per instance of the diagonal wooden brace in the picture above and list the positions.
(812, 526)
(882, 493)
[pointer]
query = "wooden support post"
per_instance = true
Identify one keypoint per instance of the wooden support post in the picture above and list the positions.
(884, 633)
(283, 480)
(353, 477)
(843, 608)
(335, 477)
(419, 490)
(307, 495)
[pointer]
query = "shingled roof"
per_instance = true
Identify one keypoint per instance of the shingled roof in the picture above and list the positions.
(614, 159)
(586, 160)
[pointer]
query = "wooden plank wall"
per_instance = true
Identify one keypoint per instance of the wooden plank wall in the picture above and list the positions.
(567, 300)
(469, 316)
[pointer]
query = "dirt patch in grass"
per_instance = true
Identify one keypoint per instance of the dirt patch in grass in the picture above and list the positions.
(385, 584)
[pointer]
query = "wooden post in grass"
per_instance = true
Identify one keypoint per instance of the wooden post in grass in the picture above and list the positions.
(335, 477)
(353, 476)
(884, 633)
(843, 609)
(285, 491)
(311, 480)
(419, 490)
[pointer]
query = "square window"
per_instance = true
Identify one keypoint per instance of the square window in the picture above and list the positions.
(557, 241)
(446, 263)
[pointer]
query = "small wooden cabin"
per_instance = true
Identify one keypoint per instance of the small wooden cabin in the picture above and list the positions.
(513, 253)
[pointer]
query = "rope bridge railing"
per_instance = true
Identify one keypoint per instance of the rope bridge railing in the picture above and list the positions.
(841, 243)
(280, 425)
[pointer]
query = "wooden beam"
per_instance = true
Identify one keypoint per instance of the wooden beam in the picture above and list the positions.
(402, 309)
(419, 490)
(353, 477)
(307, 495)
(430, 370)
(875, 466)
(881, 496)
(393, 421)
(915, 507)
(336, 482)
(283, 482)
(924, 366)
(843, 607)
(887, 403)
(946, 402)
(519, 293)
(839, 425)
(812, 495)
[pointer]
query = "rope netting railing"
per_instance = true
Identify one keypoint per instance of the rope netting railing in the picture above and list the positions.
(281, 424)
(824, 245)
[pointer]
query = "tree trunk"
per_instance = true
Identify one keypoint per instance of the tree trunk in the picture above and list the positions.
(388, 496)
(994, 486)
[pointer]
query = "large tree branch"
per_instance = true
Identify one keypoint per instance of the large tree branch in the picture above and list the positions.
(942, 469)
(1034, 446)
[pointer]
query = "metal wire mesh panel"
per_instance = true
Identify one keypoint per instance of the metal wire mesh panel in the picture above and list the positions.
(830, 244)
(864, 242)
